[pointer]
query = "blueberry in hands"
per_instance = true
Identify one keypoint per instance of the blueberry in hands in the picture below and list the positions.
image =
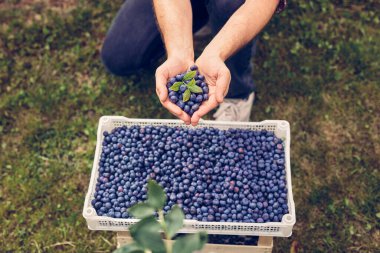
(188, 90)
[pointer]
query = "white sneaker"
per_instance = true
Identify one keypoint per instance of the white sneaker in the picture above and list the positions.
(235, 109)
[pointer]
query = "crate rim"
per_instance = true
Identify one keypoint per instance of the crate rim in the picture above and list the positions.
(90, 213)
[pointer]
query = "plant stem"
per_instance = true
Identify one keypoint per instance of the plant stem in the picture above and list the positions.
(164, 228)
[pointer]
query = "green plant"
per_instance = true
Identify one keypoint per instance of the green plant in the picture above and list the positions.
(147, 233)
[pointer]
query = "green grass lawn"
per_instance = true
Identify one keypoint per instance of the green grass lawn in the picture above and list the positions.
(317, 67)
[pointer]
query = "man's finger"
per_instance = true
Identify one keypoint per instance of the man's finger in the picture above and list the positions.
(222, 84)
(161, 80)
(204, 109)
(176, 111)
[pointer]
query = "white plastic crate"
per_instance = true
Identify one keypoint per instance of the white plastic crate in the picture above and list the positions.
(264, 245)
(281, 229)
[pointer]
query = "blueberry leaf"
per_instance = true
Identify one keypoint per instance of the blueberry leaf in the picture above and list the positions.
(130, 248)
(174, 221)
(141, 210)
(175, 86)
(191, 83)
(194, 88)
(156, 195)
(189, 75)
(186, 95)
(190, 243)
(146, 233)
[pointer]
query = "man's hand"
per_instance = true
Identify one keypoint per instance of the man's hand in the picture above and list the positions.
(177, 32)
(171, 67)
(217, 77)
(241, 28)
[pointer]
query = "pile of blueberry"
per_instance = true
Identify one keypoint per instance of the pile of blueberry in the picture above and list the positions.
(188, 90)
(228, 239)
(233, 239)
(233, 175)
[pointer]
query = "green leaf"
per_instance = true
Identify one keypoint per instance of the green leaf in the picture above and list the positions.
(186, 95)
(191, 83)
(147, 234)
(156, 195)
(174, 221)
(141, 210)
(175, 86)
(189, 75)
(195, 89)
(190, 243)
(130, 248)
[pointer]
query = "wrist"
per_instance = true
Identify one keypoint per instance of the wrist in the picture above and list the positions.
(212, 52)
(186, 55)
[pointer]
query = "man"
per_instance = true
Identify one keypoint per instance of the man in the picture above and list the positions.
(134, 42)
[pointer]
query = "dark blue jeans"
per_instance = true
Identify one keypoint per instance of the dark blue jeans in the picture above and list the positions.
(134, 41)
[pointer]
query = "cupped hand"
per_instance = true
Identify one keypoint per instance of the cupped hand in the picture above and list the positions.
(218, 78)
(170, 68)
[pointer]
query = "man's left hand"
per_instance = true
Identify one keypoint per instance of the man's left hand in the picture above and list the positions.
(218, 78)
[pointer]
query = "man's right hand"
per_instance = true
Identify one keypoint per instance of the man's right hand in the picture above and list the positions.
(170, 68)
(177, 33)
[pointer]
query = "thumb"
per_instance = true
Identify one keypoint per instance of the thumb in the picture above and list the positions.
(222, 84)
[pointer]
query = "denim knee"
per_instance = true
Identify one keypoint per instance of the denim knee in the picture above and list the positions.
(118, 61)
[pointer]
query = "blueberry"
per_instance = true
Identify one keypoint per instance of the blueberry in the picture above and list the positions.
(205, 96)
(215, 175)
(179, 77)
(180, 104)
(205, 89)
(194, 67)
(182, 88)
(173, 99)
(195, 107)
(193, 97)
(97, 205)
(199, 98)
(172, 80)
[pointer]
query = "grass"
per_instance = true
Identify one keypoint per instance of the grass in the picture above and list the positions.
(317, 67)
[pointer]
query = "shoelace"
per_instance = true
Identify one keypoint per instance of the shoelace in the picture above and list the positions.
(227, 109)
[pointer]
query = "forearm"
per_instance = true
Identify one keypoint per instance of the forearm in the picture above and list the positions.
(174, 18)
(242, 27)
